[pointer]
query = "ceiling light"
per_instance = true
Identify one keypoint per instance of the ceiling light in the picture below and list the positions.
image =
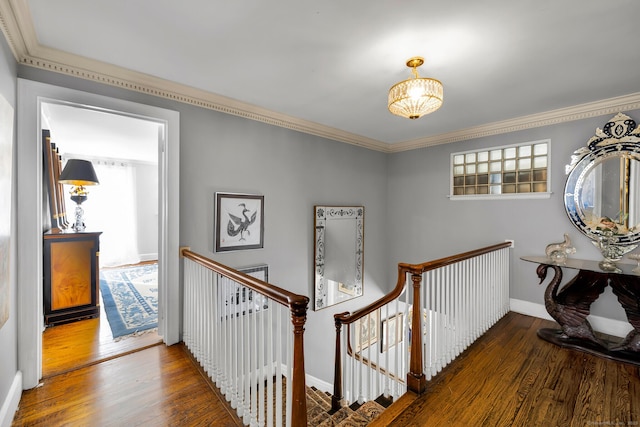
(417, 96)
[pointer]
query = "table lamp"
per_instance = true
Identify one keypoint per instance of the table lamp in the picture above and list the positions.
(78, 173)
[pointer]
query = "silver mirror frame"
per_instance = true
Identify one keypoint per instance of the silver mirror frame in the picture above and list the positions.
(619, 138)
(324, 215)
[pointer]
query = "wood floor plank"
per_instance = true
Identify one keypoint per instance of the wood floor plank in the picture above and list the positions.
(157, 386)
(510, 377)
(69, 346)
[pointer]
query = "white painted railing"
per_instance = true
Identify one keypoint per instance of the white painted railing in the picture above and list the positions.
(246, 340)
(460, 302)
(458, 299)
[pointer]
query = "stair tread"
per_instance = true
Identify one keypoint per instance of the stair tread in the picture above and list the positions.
(370, 410)
(319, 406)
(336, 418)
(319, 398)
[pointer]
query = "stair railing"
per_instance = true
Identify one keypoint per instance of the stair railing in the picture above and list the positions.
(248, 335)
(392, 347)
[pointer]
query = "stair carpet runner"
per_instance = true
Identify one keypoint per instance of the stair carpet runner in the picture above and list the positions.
(319, 409)
(356, 415)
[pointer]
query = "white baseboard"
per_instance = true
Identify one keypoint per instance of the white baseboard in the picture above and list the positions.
(311, 381)
(148, 257)
(616, 328)
(10, 404)
(318, 383)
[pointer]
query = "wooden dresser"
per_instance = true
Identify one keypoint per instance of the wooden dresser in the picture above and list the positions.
(71, 276)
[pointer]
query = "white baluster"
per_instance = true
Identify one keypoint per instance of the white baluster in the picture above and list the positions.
(270, 358)
(245, 359)
(289, 373)
(279, 362)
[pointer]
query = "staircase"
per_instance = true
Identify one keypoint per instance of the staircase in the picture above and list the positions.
(319, 411)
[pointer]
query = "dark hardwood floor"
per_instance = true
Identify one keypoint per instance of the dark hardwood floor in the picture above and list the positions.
(508, 377)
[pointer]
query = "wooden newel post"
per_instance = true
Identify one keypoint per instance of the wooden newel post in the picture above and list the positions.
(298, 388)
(416, 381)
(336, 399)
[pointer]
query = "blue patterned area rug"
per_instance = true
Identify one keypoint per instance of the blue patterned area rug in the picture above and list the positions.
(130, 298)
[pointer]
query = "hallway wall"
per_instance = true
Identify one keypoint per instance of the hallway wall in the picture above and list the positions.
(9, 375)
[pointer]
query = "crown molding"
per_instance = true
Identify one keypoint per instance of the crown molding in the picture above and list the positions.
(11, 29)
(17, 26)
(562, 115)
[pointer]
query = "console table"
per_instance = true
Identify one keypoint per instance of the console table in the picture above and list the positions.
(571, 305)
(71, 284)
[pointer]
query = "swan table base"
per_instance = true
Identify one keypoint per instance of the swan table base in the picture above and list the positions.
(602, 349)
(571, 305)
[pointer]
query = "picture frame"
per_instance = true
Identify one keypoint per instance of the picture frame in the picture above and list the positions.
(366, 331)
(52, 162)
(241, 300)
(424, 321)
(391, 331)
(260, 272)
(346, 289)
(239, 222)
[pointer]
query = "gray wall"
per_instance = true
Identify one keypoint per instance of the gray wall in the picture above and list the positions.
(9, 332)
(431, 226)
(294, 171)
(408, 216)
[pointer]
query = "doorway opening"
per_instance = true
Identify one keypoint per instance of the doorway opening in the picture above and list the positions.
(31, 95)
(123, 207)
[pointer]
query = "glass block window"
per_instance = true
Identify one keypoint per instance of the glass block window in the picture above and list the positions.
(512, 170)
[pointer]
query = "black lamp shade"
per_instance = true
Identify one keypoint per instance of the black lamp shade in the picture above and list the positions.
(78, 172)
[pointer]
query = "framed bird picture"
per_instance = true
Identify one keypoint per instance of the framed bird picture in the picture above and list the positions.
(239, 222)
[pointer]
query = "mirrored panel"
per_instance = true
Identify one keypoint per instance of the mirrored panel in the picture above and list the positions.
(602, 194)
(338, 254)
(610, 191)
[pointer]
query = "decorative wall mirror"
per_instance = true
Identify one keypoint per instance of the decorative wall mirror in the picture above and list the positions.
(338, 254)
(602, 193)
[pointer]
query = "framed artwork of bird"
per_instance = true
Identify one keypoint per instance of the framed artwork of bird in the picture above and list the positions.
(239, 220)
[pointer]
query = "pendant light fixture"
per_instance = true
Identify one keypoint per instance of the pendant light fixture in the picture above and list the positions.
(417, 96)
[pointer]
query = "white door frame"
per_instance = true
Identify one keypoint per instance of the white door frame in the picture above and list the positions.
(30, 210)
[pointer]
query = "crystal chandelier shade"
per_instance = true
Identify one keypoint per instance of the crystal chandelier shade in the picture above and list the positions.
(417, 96)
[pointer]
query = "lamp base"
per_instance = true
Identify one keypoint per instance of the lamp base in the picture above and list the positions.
(79, 224)
(79, 195)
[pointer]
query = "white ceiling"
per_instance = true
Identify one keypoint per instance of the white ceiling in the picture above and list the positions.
(325, 66)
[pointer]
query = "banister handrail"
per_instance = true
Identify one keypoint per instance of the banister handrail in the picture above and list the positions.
(415, 378)
(403, 269)
(297, 305)
(432, 265)
(348, 318)
(275, 293)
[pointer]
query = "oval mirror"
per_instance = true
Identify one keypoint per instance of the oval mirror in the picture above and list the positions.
(602, 192)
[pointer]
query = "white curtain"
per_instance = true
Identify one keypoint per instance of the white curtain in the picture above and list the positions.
(111, 208)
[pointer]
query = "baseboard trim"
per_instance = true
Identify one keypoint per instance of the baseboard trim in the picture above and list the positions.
(613, 327)
(318, 383)
(10, 404)
(148, 257)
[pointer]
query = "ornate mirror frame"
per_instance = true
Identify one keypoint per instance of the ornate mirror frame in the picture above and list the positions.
(338, 254)
(617, 143)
